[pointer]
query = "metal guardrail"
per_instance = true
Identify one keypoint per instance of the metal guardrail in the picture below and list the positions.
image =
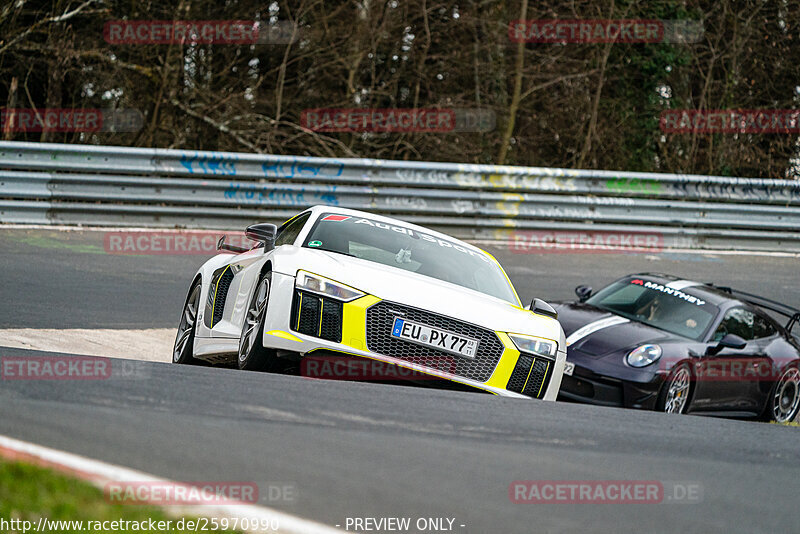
(99, 185)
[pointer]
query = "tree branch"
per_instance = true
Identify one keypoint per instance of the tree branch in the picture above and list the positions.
(515, 97)
(49, 20)
(219, 126)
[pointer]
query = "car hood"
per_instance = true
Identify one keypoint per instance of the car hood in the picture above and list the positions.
(392, 284)
(594, 332)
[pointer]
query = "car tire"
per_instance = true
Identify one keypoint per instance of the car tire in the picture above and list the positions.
(676, 392)
(183, 350)
(253, 356)
(783, 402)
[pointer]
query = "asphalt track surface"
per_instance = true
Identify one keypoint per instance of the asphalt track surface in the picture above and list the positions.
(371, 450)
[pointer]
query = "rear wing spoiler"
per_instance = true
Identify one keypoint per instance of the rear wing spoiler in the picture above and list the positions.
(787, 311)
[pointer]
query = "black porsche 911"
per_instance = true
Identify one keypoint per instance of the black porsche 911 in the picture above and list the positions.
(657, 342)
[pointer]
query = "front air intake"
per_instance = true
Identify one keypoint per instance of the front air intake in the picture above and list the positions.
(531, 376)
(221, 295)
(217, 296)
(317, 316)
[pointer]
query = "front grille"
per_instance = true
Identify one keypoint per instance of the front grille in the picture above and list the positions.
(380, 318)
(580, 387)
(317, 316)
(592, 388)
(530, 376)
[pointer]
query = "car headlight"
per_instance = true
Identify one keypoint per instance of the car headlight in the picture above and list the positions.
(534, 345)
(324, 286)
(644, 355)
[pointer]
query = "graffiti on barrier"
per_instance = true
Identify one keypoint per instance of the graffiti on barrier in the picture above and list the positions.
(635, 186)
(209, 163)
(462, 206)
(760, 190)
(406, 202)
(267, 194)
(298, 168)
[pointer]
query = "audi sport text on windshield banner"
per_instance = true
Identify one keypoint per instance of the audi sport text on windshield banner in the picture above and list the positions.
(408, 231)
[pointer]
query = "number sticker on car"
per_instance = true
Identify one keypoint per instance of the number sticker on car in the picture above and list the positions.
(435, 338)
(569, 367)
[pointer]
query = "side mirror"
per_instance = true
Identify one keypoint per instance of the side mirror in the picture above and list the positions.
(222, 245)
(583, 292)
(263, 233)
(729, 341)
(542, 308)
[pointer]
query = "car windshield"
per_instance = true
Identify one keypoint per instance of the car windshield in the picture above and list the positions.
(668, 308)
(407, 249)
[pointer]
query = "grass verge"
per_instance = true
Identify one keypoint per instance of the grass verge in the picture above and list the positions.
(29, 492)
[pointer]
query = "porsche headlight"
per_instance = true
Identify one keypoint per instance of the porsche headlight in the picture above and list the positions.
(324, 286)
(534, 345)
(643, 356)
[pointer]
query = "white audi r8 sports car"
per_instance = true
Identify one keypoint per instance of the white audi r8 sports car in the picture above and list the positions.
(352, 284)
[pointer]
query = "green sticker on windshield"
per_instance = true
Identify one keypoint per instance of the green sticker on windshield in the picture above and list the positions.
(315, 243)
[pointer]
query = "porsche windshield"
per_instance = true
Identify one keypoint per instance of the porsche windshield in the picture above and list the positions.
(410, 250)
(662, 306)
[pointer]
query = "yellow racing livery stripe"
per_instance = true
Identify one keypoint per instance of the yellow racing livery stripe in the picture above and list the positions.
(508, 360)
(354, 321)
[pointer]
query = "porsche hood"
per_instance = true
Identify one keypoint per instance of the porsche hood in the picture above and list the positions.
(595, 332)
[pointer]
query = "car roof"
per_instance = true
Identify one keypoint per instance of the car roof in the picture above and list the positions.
(321, 208)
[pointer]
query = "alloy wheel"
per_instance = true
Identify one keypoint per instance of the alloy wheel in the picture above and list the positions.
(678, 391)
(786, 398)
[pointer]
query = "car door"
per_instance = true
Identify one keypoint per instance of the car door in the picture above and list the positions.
(777, 350)
(728, 380)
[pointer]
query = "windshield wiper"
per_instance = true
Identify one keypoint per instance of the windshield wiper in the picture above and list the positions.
(338, 252)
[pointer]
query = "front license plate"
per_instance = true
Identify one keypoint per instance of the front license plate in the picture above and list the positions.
(435, 338)
(568, 368)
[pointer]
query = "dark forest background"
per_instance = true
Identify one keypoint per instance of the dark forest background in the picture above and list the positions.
(577, 105)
